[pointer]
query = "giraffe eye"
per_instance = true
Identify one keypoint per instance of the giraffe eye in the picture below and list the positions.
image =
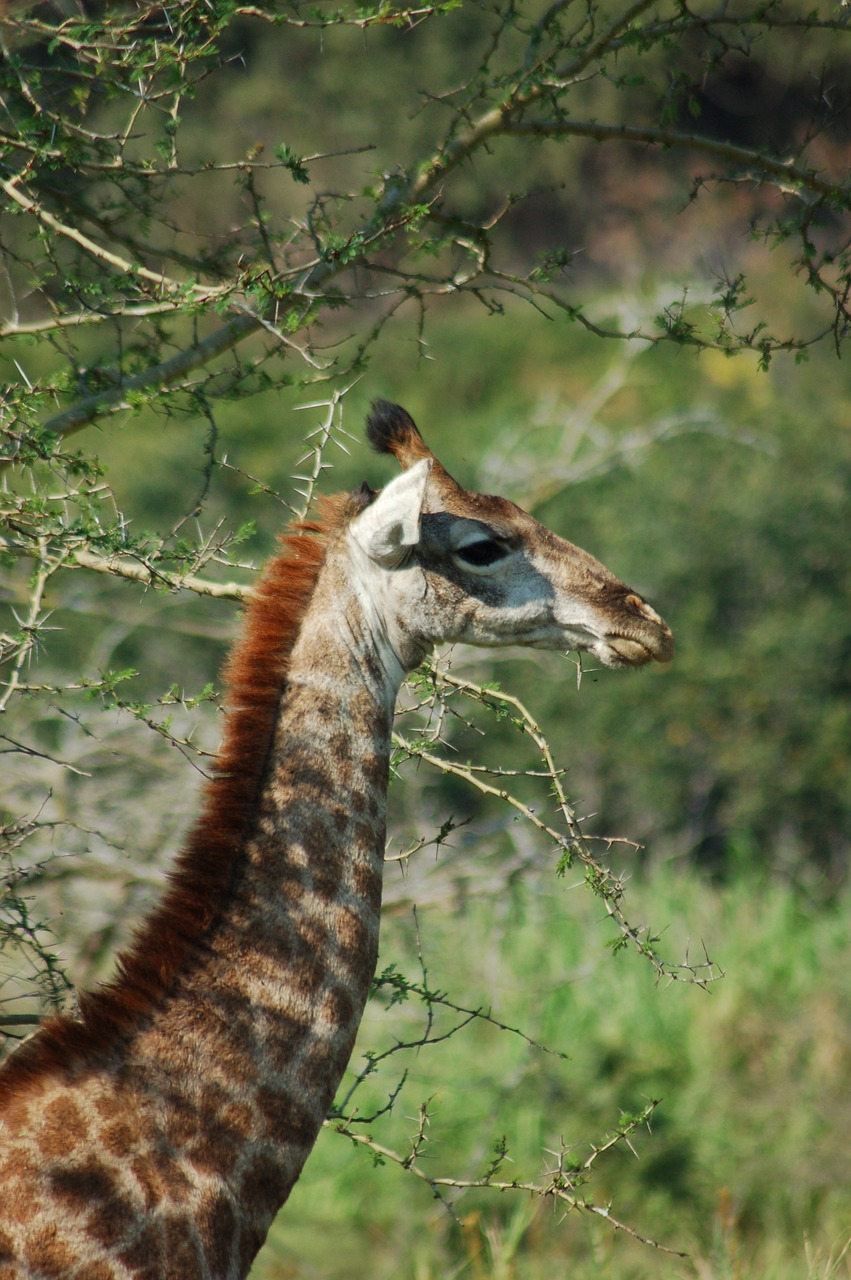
(482, 553)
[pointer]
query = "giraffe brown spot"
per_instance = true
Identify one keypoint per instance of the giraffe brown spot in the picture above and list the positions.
(319, 1061)
(117, 1139)
(208, 1155)
(315, 833)
(217, 1225)
(374, 769)
(373, 666)
(312, 933)
(327, 879)
(20, 1201)
(179, 1127)
(360, 965)
(46, 1255)
(284, 1038)
(111, 1212)
(337, 1006)
(239, 1118)
(147, 1254)
(340, 819)
(109, 1105)
(236, 1060)
(366, 880)
(217, 1144)
(325, 707)
(290, 882)
(364, 835)
(147, 1180)
(62, 1128)
(80, 1186)
(341, 748)
(252, 1235)
(308, 778)
(94, 1271)
(287, 1119)
(307, 977)
(16, 1114)
(352, 934)
(234, 1014)
(320, 1070)
(182, 1248)
(168, 1175)
(264, 1189)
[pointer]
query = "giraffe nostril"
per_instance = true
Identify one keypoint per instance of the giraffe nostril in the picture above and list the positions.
(632, 601)
(635, 602)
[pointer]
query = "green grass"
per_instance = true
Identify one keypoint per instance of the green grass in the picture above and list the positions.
(746, 1169)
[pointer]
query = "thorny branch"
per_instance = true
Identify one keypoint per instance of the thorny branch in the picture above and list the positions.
(570, 842)
(559, 1185)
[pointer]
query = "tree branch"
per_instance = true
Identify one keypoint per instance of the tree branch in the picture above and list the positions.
(14, 329)
(791, 175)
(559, 1185)
(179, 287)
(164, 374)
(149, 575)
(528, 88)
(153, 577)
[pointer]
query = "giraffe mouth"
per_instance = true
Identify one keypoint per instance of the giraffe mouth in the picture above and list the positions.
(635, 651)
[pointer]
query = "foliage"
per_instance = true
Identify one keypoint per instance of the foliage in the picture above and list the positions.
(135, 298)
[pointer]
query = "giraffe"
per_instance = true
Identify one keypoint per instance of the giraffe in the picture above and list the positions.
(157, 1133)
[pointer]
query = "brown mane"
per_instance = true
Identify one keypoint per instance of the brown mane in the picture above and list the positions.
(203, 875)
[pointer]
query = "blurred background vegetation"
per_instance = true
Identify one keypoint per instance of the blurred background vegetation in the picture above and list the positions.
(653, 367)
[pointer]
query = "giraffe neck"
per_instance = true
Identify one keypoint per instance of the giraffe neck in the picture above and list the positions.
(264, 1028)
(186, 1142)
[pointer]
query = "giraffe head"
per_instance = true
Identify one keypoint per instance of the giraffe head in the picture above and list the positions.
(450, 565)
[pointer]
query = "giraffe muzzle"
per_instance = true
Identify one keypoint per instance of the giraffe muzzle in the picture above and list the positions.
(647, 638)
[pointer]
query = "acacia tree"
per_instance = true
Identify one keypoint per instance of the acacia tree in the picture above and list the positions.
(160, 271)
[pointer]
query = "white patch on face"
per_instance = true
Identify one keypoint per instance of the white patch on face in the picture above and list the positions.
(385, 597)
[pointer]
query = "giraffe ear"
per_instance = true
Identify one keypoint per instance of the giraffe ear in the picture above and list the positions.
(390, 525)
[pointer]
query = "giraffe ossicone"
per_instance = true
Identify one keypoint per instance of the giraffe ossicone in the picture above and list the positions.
(158, 1133)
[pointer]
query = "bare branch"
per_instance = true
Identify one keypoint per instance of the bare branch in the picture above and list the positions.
(792, 178)
(164, 374)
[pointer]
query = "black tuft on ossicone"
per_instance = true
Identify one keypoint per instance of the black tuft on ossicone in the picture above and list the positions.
(389, 426)
(391, 429)
(363, 496)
